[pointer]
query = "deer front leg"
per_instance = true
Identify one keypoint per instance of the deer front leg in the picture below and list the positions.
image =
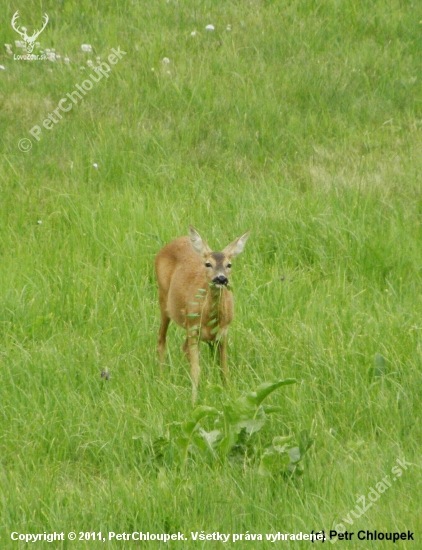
(165, 321)
(191, 348)
(222, 347)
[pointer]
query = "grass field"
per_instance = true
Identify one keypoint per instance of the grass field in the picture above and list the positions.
(300, 120)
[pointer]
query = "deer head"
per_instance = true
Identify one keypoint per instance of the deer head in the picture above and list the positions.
(29, 40)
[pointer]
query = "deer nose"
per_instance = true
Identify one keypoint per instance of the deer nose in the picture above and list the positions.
(220, 280)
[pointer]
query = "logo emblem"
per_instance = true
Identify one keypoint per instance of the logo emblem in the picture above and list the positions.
(29, 40)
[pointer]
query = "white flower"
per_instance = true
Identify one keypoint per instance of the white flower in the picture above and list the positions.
(2, 68)
(228, 28)
(86, 48)
(209, 28)
(66, 60)
(95, 165)
(90, 63)
(39, 222)
(166, 60)
(193, 33)
(20, 44)
(51, 56)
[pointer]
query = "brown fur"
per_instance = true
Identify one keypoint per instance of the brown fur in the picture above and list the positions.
(181, 274)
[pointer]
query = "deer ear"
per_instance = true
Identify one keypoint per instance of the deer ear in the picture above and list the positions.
(237, 246)
(198, 244)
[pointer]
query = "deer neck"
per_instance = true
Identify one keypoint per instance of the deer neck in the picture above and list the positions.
(216, 300)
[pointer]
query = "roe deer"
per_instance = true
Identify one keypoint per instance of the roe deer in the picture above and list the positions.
(192, 287)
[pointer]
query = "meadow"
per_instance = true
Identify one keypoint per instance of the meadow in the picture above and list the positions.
(299, 120)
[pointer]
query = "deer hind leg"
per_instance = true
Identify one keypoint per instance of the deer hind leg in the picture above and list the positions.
(222, 347)
(191, 349)
(165, 321)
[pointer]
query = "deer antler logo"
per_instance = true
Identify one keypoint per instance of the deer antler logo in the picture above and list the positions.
(29, 40)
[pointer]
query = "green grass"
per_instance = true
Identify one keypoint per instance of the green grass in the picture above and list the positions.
(302, 123)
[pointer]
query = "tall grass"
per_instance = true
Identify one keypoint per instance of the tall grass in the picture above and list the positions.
(303, 123)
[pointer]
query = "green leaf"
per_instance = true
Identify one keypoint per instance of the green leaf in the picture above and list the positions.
(294, 454)
(273, 462)
(305, 442)
(197, 415)
(265, 389)
(202, 411)
(252, 400)
(227, 443)
(233, 413)
(283, 457)
(212, 321)
(251, 425)
(297, 469)
(280, 442)
(215, 330)
(237, 417)
(211, 439)
(182, 443)
(192, 315)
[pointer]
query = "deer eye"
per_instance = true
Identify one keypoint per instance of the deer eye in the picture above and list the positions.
(229, 265)
(208, 264)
